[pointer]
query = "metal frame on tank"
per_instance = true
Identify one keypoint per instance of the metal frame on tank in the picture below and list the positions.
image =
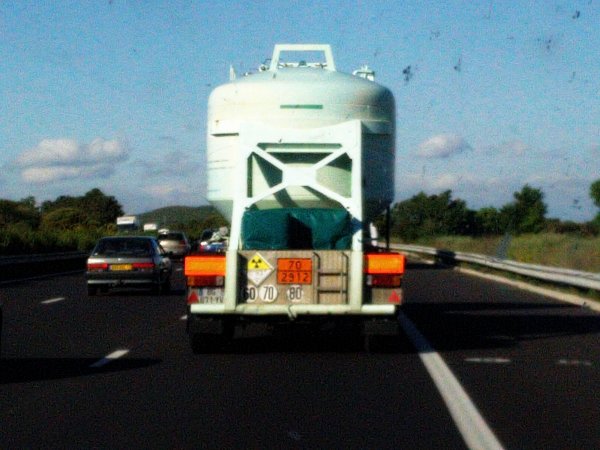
(253, 136)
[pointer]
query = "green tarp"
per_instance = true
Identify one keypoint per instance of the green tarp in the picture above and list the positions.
(297, 228)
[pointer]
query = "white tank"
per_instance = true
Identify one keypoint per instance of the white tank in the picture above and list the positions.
(282, 123)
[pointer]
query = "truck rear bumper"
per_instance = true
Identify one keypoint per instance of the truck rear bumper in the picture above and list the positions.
(372, 319)
(293, 311)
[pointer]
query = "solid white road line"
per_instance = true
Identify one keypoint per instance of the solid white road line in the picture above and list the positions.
(108, 358)
(473, 428)
(52, 300)
(557, 295)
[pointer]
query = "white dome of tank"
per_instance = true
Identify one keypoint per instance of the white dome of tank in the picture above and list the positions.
(289, 103)
(301, 97)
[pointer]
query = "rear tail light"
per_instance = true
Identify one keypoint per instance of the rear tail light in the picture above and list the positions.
(384, 269)
(205, 265)
(384, 263)
(97, 267)
(205, 270)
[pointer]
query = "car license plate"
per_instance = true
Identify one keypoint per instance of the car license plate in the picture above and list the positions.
(211, 296)
(294, 271)
(121, 267)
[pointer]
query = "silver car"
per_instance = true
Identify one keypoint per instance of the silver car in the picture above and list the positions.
(174, 242)
(128, 261)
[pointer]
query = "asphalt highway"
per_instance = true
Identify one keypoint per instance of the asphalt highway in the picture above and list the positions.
(488, 362)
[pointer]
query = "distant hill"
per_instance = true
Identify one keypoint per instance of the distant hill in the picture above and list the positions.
(180, 215)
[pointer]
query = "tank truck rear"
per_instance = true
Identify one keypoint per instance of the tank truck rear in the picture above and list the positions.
(300, 159)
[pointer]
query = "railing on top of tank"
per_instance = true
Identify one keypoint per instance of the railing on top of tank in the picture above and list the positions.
(576, 278)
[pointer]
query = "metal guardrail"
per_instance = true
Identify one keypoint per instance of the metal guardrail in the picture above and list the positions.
(41, 257)
(580, 279)
(21, 267)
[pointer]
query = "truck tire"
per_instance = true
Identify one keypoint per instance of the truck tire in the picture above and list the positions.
(92, 290)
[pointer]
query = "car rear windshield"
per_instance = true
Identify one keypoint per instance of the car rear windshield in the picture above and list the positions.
(171, 237)
(129, 247)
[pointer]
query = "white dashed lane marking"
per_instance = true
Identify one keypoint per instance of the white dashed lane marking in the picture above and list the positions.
(574, 362)
(108, 358)
(488, 360)
(53, 300)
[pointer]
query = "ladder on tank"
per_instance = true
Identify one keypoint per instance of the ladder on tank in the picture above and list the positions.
(333, 280)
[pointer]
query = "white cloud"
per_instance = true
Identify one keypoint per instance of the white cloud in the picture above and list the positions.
(53, 173)
(442, 146)
(62, 159)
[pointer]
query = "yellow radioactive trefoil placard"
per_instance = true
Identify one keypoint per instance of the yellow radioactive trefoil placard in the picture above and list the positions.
(259, 269)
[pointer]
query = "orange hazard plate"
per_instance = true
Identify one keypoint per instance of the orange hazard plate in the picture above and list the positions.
(294, 271)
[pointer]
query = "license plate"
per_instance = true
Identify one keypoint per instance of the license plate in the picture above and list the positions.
(121, 267)
(209, 296)
(294, 271)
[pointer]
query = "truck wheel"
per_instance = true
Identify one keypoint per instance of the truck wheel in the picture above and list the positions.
(92, 290)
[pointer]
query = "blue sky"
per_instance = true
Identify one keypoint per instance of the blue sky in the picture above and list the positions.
(112, 94)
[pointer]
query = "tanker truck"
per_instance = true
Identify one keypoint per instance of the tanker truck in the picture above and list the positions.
(300, 160)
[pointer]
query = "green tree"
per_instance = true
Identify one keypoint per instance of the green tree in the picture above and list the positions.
(101, 209)
(96, 208)
(595, 195)
(433, 215)
(489, 221)
(61, 219)
(21, 212)
(526, 214)
(595, 192)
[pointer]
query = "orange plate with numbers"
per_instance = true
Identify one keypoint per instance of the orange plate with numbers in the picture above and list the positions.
(294, 271)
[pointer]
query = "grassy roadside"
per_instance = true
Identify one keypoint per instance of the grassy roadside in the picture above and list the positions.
(549, 249)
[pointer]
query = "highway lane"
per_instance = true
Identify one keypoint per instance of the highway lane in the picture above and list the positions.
(530, 365)
(262, 392)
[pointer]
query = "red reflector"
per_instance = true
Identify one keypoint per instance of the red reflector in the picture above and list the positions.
(395, 298)
(384, 280)
(192, 298)
(206, 280)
